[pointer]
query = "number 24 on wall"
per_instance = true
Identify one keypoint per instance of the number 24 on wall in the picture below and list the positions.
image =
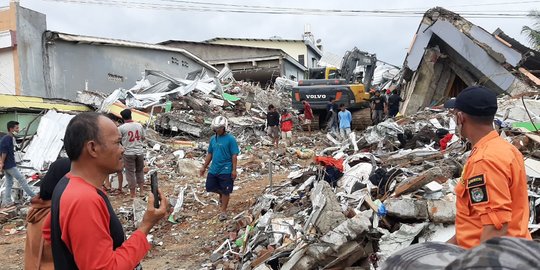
(134, 137)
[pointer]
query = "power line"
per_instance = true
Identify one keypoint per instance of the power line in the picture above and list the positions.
(475, 5)
(196, 6)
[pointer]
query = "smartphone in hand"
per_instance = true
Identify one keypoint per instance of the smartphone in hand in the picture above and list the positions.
(154, 188)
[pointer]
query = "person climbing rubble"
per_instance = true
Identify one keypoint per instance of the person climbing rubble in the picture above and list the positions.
(222, 158)
(492, 195)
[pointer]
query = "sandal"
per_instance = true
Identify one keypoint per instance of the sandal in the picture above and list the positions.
(222, 217)
(117, 192)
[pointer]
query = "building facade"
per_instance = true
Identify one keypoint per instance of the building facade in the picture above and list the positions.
(41, 63)
(21, 50)
(247, 63)
(304, 51)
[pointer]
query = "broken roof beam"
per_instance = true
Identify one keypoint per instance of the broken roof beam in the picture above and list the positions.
(529, 75)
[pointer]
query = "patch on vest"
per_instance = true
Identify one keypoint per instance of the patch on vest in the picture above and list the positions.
(476, 181)
(478, 194)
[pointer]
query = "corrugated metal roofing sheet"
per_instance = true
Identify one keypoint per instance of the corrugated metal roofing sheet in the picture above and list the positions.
(47, 143)
(125, 43)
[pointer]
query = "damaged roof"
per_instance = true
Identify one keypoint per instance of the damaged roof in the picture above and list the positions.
(531, 57)
(52, 35)
(278, 52)
(306, 42)
(492, 57)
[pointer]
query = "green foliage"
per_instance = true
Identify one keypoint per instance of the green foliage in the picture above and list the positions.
(533, 32)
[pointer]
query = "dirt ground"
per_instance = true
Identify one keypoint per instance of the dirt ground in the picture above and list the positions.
(186, 245)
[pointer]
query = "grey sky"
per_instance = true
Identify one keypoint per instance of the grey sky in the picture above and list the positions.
(387, 37)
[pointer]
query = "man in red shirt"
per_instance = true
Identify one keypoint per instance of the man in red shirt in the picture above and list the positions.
(82, 227)
(286, 127)
(308, 115)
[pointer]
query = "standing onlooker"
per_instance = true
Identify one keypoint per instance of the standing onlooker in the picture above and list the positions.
(332, 116)
(286, 127)
(7, 163)
(222, 153)
(38, 253)
(345, 120)
(393, 103)
(308, 115)
(83, 229)
(379, 106)
(272, 124)
(492, 195)
(132, 140)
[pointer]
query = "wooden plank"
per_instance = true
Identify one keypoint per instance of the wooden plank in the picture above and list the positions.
(433, 174)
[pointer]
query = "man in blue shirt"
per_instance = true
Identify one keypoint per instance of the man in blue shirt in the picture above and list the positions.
(222, 154)
(345, 119)
(7, 163)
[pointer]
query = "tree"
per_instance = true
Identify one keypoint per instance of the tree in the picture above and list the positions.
(533, 33)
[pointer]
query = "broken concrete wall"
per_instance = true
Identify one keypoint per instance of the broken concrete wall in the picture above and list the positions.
(429, 82)
(473, 54)
(326, 204)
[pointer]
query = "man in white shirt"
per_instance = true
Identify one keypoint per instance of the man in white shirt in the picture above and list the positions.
(132, 140)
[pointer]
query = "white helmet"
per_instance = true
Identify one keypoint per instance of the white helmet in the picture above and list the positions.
(220, 121)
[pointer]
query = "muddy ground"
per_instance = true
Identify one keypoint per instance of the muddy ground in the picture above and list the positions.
(186, 245)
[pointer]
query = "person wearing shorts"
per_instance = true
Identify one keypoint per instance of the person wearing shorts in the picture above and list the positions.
(222, 155)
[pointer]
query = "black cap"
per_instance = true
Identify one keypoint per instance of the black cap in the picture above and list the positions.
(475, 100)
(450, 104)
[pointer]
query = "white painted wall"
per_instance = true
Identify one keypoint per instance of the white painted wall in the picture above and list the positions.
(291, 48)
(7, 72)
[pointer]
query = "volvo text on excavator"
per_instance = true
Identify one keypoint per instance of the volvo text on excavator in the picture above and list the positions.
(348, 85)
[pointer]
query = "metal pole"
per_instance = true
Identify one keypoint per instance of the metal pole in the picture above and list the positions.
(270, 174)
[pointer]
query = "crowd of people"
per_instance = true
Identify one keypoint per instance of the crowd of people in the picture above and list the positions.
(72, 225)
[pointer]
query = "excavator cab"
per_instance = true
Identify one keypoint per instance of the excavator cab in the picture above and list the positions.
(323, 73)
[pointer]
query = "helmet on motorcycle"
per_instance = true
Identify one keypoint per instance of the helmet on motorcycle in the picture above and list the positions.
(219, 121)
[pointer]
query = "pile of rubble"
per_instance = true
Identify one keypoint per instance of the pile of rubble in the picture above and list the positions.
(367, 196)
(361, 199)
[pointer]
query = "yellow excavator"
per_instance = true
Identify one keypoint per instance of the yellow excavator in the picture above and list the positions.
(349, 85)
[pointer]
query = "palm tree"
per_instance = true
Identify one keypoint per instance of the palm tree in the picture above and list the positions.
(533, 33)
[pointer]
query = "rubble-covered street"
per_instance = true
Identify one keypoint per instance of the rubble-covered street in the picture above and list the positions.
(371, 167)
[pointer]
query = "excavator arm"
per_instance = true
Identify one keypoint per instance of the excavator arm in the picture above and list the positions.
(354, 58)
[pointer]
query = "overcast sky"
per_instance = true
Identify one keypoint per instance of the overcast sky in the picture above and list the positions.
(388, 37)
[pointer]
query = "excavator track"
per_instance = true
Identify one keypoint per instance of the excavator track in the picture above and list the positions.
(361, 119)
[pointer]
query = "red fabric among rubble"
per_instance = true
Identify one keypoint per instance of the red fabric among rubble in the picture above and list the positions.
(329, 161)
(445, 140)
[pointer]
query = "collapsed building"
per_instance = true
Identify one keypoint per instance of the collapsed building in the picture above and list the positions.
(348, 202)
(449, 53)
